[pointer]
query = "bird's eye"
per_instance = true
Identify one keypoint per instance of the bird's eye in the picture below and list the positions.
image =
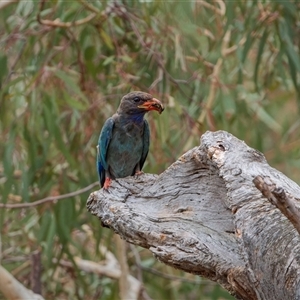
(136, 99)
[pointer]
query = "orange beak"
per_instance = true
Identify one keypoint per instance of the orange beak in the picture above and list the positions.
(152, 104)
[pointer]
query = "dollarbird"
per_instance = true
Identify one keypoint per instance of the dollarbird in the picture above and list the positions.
(125, 137)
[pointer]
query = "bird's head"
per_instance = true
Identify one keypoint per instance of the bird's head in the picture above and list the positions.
(139, 102)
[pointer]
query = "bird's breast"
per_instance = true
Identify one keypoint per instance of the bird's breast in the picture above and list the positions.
(125, 149)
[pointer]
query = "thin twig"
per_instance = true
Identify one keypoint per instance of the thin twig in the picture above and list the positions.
(58, 23)
(218, 11)
(159, 78)
(222, 7)
(212, 90)
(50, 198)
(215, 78)
(234, 47)
(89, 6)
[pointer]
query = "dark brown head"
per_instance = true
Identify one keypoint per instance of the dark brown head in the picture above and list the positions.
(139, 102)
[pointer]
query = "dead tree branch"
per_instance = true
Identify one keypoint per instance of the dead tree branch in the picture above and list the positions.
(204, 215)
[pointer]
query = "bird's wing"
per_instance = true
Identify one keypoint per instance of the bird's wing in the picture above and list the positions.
(103, 143)
(146, 143)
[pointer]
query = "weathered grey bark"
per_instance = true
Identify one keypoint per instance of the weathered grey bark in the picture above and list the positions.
(204, 215)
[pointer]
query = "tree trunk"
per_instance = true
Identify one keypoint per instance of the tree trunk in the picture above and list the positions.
(205, 215)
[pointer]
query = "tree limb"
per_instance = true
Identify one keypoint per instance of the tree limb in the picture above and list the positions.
(12, 289)
(205, 216)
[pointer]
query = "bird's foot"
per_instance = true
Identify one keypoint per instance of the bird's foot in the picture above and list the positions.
(107, 183)
(138, 173)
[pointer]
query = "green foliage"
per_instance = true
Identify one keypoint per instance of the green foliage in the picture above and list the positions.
(233, 66)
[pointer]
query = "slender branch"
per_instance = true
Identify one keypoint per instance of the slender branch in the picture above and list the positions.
(50, 198)
(222, 7)
(159, 78)
(89, 6)
(58, 23)
(208, 33)
(234, 47)
(21, 268)
(13, 289)
(215, 78)
(124, 291)
(278, 197)
(110, 268)
(212, 90)
(6, 3)
(220, 11)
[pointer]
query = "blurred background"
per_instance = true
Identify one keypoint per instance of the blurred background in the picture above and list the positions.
(64, 66)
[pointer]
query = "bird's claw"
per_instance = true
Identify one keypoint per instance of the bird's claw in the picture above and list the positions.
(138, 173)
(107, 183)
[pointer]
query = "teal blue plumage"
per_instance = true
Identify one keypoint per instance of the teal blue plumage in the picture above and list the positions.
(125, 138)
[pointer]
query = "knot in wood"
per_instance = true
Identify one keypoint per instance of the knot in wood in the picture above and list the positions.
(216, 154)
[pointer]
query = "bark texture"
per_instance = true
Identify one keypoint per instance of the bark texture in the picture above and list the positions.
(204, 215)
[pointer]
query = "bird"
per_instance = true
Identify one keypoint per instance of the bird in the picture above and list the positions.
(124, 139)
